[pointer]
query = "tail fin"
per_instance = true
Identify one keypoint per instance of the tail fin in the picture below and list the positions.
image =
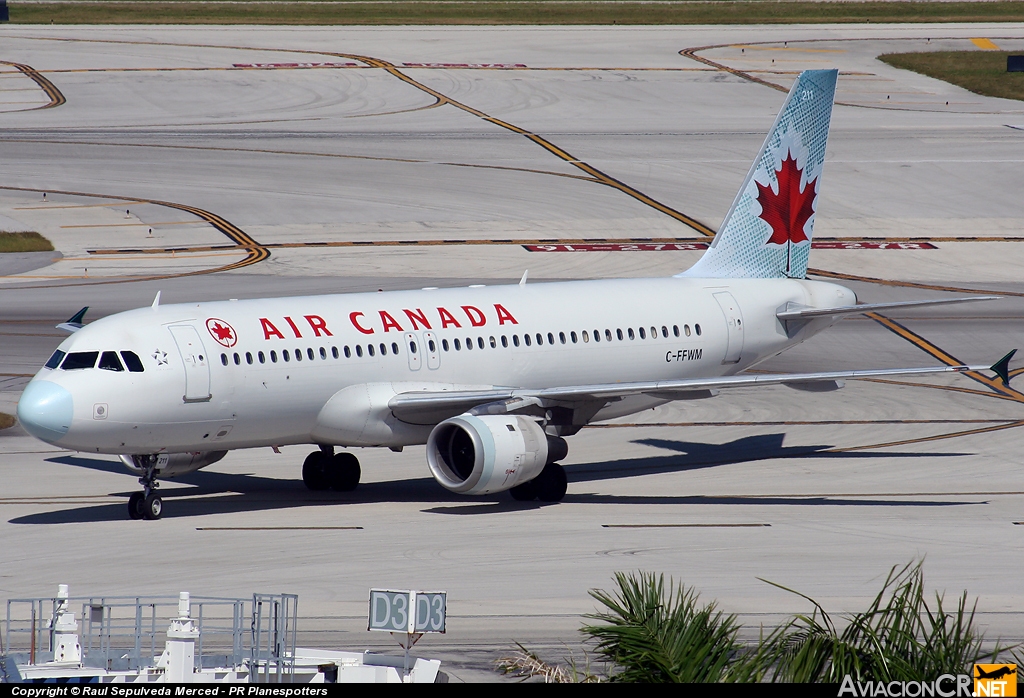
(767, 232)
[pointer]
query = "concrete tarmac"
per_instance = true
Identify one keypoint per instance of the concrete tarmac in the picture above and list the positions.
(395, 158)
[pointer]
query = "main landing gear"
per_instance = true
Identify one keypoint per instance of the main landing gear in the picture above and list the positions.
(549, 486)
(327, 470)
(146, 504)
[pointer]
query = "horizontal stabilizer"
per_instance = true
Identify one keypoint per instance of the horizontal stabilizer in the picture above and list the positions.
(795, 312)
(1002, 367)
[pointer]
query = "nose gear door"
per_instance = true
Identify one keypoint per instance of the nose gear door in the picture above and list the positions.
(734, 326)
(197, 365)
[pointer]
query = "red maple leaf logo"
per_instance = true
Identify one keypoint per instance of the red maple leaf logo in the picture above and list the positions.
(786, 212)
(221, 331)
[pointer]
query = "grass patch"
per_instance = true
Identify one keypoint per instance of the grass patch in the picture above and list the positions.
(981, 72)
(512, 12)
(24, 242)
(6, 420)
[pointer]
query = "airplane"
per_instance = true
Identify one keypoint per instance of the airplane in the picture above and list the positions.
(1004, 670)
(492, 379)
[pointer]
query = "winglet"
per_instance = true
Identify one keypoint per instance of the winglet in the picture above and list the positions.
(1002, 367)
(156, 301)
(74, 323)
(522, 281)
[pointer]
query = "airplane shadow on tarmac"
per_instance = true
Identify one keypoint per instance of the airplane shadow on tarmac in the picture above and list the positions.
(227, 493)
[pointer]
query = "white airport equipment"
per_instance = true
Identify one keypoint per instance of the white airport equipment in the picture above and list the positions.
(206, 640)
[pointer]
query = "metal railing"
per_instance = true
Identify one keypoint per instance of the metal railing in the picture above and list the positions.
(128, 632)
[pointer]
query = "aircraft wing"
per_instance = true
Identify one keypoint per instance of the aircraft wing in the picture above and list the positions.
(797, 312)
(415, 407)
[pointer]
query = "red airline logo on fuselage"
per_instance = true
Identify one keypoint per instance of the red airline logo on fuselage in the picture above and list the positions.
(387, 321)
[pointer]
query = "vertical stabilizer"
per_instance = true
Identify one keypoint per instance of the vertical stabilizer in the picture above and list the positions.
(767, 232)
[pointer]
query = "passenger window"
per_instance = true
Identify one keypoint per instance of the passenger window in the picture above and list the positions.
(55, 360)
(629, 331)
(515, 340)
(675, 330)
(618, 333)
(224, 359)
(572, 336)
(383, 349)
(526, 339)
(248, 358)
(238, 359)
(469, 343)
(494, 343)
(334, 352)
(597, 335)
(309, 353)
(504, 341)
(80, 359)
(369, 349)
(110, 362)
(540, 339)
(394, 347)
(458, 344)
(132, 361)
(348, 352)
(359, 351)
(262, 357)
(561, 337)
(551, 338)
(696, 329)
(664, 331)
(654, 333)
(608, 335)
(444, 344)
(586, 337)
(273, 357)
(412, 348)
(480, 342)
(643, 335)
(286, 356)
(298, 355)
(686, 330)
(323, 353)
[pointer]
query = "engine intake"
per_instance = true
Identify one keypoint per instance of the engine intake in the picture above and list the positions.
(490, 453)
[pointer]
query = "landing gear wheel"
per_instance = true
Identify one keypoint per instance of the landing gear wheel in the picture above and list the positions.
(344, 472)
(135, 505)
(551, 483)
(315, 471)
(152, 507)
(526, 492)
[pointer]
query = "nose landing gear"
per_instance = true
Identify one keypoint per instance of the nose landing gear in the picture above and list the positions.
(146, 504)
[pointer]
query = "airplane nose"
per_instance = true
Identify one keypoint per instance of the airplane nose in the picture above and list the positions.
(45, 410)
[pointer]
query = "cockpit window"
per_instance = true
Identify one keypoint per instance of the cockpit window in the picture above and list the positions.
(80, 359)
(110, 362)
(55, 360)
(132, 361)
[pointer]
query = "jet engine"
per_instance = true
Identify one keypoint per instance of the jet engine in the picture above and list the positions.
(170, 465)
(471, 454)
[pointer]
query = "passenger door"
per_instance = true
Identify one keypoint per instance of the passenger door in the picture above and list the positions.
(734, 326)
(197, 364)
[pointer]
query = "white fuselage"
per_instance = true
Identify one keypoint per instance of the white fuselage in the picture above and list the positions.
(225, 375)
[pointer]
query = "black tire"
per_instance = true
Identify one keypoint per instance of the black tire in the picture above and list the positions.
(551, 483)
(526, 492)
(152, 507)
(315, 471)
(344, 472)
(135, 505)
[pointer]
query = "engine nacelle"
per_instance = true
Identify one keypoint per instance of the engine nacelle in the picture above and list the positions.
(490, 453)
(170, 465)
